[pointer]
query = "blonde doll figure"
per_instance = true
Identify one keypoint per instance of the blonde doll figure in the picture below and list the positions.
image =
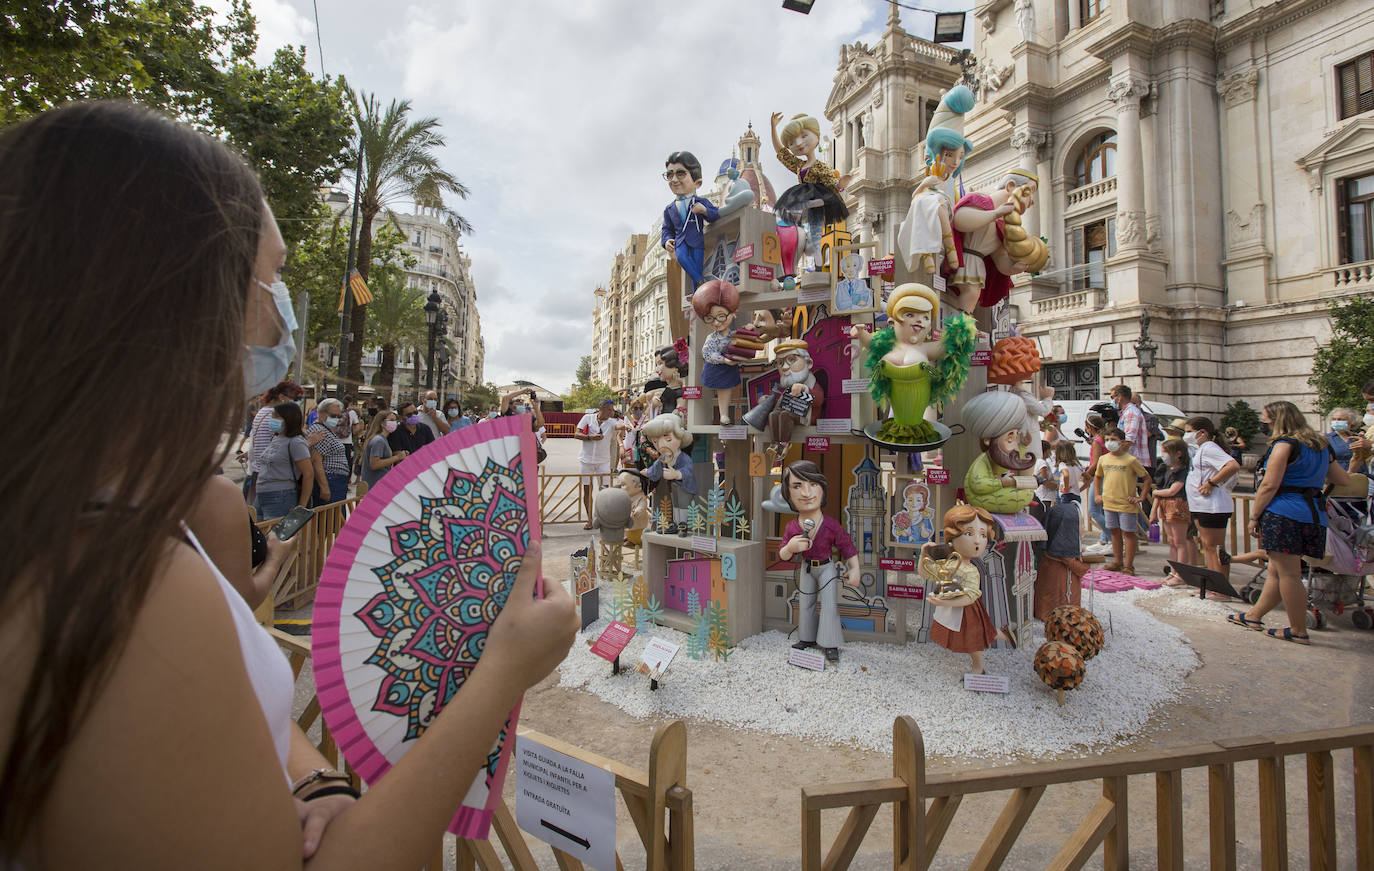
(817, 192)
(926, 236)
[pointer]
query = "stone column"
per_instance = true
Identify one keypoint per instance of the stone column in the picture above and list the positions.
(1033, 146)
(1075, 15)
(1130, 170)
(1149, 118)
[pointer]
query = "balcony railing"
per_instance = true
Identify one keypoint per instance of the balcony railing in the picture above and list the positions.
(1090, 192)
(1354, 276)
(1072, 303)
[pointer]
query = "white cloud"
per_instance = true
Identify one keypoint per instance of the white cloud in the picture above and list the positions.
(559, 115)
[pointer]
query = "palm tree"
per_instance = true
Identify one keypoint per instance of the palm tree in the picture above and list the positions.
(398, 321)
(400, 161)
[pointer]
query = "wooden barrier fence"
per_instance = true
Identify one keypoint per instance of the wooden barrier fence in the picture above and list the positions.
(1238, 538)
(918, 829)
(655, 798)
(296, 587)
(560, 496)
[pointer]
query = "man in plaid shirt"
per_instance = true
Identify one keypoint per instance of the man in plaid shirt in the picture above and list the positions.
(1132, 423)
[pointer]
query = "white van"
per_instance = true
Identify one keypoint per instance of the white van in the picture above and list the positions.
(1077, 410)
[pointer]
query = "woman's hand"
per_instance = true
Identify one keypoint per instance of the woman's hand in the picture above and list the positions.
(1205, 488)
(315, 817)
(531, 636)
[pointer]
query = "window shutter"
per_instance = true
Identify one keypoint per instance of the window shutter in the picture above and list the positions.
(1342, 223)
(1079, 257)
(1364, 83)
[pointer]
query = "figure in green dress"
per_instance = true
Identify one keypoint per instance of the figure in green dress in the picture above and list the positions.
(910, 373)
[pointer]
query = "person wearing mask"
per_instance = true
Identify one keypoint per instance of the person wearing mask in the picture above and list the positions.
(1132, 423)
(349, 428)
(1211, 474)
(377, 455)
(1151, 427)
(1118, 480)
(286, 476)
(410, 435)
(1289, 519)
(1050, 426)
(1093, 426)
(113, 600)
(1343, 435)
(259, 436)
(327, 455)
(453, 413)
(431, 418)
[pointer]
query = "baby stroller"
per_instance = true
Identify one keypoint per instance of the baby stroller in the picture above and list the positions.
(1336, 586)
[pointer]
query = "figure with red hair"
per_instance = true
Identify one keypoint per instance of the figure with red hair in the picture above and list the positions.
(716, 302)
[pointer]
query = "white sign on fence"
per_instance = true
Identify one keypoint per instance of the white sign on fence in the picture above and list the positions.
(566, 803)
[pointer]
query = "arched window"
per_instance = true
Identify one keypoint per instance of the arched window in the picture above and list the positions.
(1097, 160)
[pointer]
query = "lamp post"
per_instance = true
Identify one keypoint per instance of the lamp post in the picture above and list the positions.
(431, 318)
(443, 368)
(1145, 349)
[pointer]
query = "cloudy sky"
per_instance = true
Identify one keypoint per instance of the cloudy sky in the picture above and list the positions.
(559, 115)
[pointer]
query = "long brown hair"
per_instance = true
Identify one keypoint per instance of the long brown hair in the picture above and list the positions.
(127, 247)
(1286, 421)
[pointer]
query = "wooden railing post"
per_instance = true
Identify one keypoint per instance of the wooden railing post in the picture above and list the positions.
(667, 769)
(1221, 803)
(1364, 806)
(1116, 853)
(1321, 811)
(1169, 819)
(1273, 808)
(908, 815)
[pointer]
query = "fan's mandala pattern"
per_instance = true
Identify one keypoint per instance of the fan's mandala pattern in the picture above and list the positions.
(450, 576)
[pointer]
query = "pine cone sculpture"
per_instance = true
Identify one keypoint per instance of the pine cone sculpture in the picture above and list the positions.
(1014, 359)
(1059, 666)
(1077, 627)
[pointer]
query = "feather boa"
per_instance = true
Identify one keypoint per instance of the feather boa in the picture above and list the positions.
(959, 338)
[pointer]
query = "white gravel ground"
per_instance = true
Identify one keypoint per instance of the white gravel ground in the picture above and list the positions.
(1141, 669)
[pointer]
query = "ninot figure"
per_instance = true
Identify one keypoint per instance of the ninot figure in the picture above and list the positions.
(685, 218)
(815, 537)
(669, 437)
(962, 623)
(716, 302)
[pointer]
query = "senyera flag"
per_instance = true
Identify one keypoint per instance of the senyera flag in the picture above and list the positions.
(416, 577)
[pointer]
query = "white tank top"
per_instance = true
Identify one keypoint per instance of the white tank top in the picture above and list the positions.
(268, 670)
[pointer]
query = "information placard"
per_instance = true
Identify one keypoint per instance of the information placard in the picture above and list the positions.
(734, 433)
(743, 253)
(886, 266)
(936, 475)
(987, 683)
(704, 542)
(818, 444)
(613, 640)
(566, 803)
(981, 358)
(896, 564)
(833, 425)
(657, 654)
(855, 385)
(905, 591)
(811, 295)
(691, 393)
(812, 659)
(760, 272)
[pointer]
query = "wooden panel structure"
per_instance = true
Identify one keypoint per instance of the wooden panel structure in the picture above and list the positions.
(658, 800)
(918, 829)
(744, 594)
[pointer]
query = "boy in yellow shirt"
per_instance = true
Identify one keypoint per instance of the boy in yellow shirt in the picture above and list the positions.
(1118, 492)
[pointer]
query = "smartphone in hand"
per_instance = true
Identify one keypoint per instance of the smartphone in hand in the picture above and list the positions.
(293, 521)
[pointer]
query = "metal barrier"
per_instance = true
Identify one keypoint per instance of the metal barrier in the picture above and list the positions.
(560, 496)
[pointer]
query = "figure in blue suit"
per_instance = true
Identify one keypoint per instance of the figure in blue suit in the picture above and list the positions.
(685, 218)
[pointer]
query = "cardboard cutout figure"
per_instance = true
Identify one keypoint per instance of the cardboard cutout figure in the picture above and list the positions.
(685, 218)
(813, 536)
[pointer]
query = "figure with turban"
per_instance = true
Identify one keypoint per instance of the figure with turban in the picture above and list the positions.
(995, 419)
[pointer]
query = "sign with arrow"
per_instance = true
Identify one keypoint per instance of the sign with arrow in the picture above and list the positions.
(566, 803)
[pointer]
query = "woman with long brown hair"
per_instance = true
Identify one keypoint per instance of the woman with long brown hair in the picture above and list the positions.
(144, 716)
(1289, 519)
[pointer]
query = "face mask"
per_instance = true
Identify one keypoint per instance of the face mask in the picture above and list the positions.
(1113, 445)
(1264, 429)
(413, 420)
(1190, 438)
(263, 366)
(454, 413)
(389, 425)
(1340, 425)
(331, 422)
(431, 403)
(1063, 418)
(275, 424)
(1369, 419)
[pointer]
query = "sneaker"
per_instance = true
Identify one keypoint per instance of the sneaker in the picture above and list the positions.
(1097, 549)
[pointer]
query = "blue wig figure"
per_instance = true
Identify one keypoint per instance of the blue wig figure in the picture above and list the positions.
(926, 238)
(685, 218)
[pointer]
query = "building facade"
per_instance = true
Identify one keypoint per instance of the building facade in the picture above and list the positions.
(1207, 163)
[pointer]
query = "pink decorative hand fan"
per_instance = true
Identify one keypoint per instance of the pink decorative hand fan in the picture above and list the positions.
(412, 584)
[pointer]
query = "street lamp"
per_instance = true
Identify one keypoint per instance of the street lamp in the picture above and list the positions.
(443, 367)
(432, 318)
(1144, 348)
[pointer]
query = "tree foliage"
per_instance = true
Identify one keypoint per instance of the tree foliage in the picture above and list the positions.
(589, 395)
(484, 396)
(584, 371)
(1345, 364)
(1243, 417)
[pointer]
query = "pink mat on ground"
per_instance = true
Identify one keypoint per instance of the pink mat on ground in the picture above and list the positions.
(1114, 582)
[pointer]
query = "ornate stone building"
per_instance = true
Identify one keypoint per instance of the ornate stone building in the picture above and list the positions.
(1206, 162)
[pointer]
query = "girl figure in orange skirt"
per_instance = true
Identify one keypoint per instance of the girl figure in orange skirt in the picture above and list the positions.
(961, 624)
